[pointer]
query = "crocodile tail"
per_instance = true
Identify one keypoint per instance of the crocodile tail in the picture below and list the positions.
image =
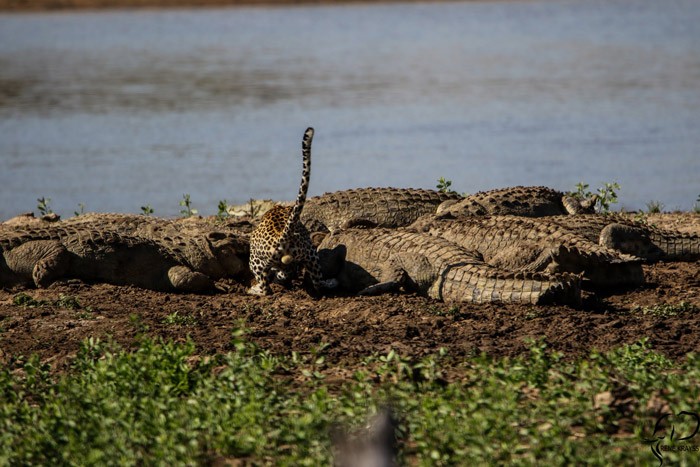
(303, 186)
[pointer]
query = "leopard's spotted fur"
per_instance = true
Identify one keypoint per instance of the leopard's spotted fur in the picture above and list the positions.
(280, 243)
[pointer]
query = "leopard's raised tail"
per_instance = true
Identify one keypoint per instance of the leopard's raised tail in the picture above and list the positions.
(280, 239)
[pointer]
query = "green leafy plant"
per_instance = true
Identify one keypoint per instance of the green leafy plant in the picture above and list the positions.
(170, 403)
(67, 302)
(27, 301)
(186, 203)
(178, 319)
(44, 206)
(443, 185)
(666, 310)
(222, 207)
(607, 195)
(147, 210)
(582, 191)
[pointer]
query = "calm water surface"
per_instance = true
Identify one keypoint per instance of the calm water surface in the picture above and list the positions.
(121, 109)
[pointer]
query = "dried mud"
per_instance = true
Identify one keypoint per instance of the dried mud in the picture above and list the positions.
(353, 327)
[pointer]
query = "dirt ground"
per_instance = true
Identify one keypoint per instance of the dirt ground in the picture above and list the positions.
(353, 327)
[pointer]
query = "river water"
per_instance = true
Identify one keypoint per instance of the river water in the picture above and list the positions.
(121, 109)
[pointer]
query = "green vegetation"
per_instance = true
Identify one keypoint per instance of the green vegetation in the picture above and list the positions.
(27, 301)
(666, 310)
(188, 211)
(146, 210)
(81, 209)
(44, 206)
(178, 319)
(67, 302)
(655, 207)
(443, 185)
(607, 195)
(163, 404)
(222, 210)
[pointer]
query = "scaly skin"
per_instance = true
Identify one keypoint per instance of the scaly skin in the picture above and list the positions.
(535, 244)
(204, 244)
(44, 254)
(370, 207)
(634, 238)
(529, 201)
(382, 259)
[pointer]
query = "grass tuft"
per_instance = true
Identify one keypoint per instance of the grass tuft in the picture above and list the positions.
(666, 310)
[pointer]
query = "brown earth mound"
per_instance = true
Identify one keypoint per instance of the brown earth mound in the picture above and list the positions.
(666, 310)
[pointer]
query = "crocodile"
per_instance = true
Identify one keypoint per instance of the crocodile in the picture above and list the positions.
(45, 254)
(535, 244)
(380, 260)
(530, 201)
(635, 238)
(370, 207)
(157, 227)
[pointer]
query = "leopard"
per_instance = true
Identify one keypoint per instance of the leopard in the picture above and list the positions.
(280, 245)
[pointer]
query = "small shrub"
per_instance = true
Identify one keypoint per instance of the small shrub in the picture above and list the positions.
(44, 206)
(81, 209)
(443, 185)
(186, 203)
(655, 207)
(180, 320)
(27, 301)
(147, 210)
(68, 301)
(607, 195)
(222, 209)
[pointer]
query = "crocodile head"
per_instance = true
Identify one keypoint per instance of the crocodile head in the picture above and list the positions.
(217, 254)
(575, 205)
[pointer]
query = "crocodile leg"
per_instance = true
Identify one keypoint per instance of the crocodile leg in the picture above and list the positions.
(183, 279)
(44, 261)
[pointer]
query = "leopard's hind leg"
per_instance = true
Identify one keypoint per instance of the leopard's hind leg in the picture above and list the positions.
(312, 266)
